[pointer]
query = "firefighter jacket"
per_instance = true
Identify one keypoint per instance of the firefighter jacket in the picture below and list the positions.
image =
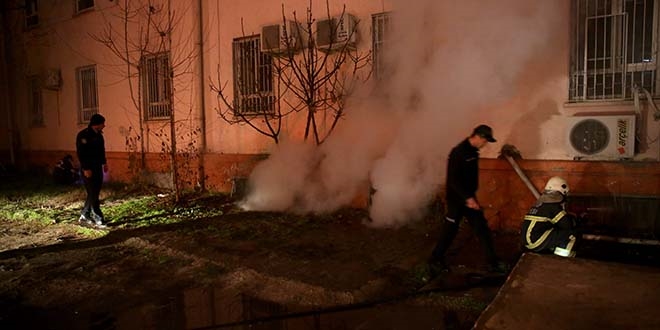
(462, 172)
(545, 216)
(90, 147)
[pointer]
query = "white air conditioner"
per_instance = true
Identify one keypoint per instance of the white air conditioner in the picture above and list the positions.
(52, 79)
(336, 33)
(274, 37)
(607, 137)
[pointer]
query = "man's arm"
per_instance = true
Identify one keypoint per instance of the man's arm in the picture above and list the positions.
(456, 160)
(82, 150)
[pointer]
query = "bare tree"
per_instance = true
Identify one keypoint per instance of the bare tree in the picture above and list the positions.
(311, 76)
(143, 42)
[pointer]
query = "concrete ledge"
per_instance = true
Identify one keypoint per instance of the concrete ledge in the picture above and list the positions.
(548, 292)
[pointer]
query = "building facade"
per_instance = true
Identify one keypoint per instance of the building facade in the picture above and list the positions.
(571, 84)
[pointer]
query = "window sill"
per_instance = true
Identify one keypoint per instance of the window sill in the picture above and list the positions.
(599, 104)
(605, 103)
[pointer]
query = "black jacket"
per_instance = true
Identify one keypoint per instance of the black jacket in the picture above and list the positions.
(462, 172)
(90, 147)
(546, 214)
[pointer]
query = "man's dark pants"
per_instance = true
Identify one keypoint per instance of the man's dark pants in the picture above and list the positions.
(93, 188)
(455, 213)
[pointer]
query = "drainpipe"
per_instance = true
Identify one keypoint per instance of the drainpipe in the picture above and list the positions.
(202, 98)
(5, 54)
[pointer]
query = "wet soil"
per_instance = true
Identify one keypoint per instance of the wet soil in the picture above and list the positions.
(285, 271)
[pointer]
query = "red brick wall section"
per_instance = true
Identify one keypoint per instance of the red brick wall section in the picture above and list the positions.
(503, 194)
(507, 199)
(221, 168)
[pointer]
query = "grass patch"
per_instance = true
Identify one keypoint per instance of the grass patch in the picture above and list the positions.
(36, 199)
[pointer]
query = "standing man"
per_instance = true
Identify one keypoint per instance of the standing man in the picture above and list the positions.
(462, 184)
(90, 147)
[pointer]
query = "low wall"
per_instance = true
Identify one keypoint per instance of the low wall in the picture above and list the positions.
(507, 198)
(503, 194)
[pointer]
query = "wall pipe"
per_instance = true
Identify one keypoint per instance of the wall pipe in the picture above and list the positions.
(202, 118)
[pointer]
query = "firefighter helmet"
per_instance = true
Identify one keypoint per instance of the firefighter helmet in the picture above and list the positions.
(557, 184)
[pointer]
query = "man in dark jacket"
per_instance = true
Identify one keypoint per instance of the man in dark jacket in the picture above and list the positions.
(461, 190)
(90, 147)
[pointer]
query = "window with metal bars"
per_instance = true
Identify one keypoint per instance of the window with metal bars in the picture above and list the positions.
(613, 49)
(35, 107)
(82, 5)
(380, 26)
(253, 78)
(87, 92)
(156, 86)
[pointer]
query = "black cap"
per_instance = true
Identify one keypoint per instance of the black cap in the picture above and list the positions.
(96, 119)
(485, 132)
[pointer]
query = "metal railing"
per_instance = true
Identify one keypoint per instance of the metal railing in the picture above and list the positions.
(253, 77)
(88, 93)
(614, 49)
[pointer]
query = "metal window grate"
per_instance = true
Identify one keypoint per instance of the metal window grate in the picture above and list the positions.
(613, 49)
(253, 77)
(381, 32)
(34, 101)
(88, 92)
(156, 86)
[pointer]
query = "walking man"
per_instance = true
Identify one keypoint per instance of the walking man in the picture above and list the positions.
(461, 190)
(90, 147)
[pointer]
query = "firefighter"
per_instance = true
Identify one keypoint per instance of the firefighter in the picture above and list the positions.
(547, 227)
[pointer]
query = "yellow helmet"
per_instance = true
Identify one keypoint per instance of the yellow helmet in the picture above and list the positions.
(557, 184)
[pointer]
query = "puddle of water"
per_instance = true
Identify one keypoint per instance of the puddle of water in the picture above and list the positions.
(207, 308)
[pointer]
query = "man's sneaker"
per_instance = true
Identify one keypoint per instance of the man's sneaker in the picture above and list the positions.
(85, 220)
(437, 268)
(98, 220)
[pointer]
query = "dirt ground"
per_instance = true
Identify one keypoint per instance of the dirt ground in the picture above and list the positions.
(192, 274)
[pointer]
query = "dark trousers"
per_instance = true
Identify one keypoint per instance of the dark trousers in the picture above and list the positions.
(475, 218)
(93, 187)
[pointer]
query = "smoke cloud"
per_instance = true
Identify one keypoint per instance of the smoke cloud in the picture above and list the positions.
(451, 61)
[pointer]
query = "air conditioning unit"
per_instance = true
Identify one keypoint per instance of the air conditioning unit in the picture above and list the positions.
(336, 33)
(52, 79)
(607, 137)
(274, 37)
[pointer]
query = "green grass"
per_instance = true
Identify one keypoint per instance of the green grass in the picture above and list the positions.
(36, 199)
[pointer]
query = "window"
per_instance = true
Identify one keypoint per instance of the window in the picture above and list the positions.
(31, 13)
(87, 92)
(613, 49)
(156, 86)
(380, 25)
(36, 114)
(253, 77)
(82, 5)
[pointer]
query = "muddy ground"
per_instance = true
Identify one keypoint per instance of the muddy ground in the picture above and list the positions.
(329, 271)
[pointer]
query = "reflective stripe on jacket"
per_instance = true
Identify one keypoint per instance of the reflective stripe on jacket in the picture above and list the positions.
(533, 243)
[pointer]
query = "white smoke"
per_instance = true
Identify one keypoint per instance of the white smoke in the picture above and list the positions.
(452, 61)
